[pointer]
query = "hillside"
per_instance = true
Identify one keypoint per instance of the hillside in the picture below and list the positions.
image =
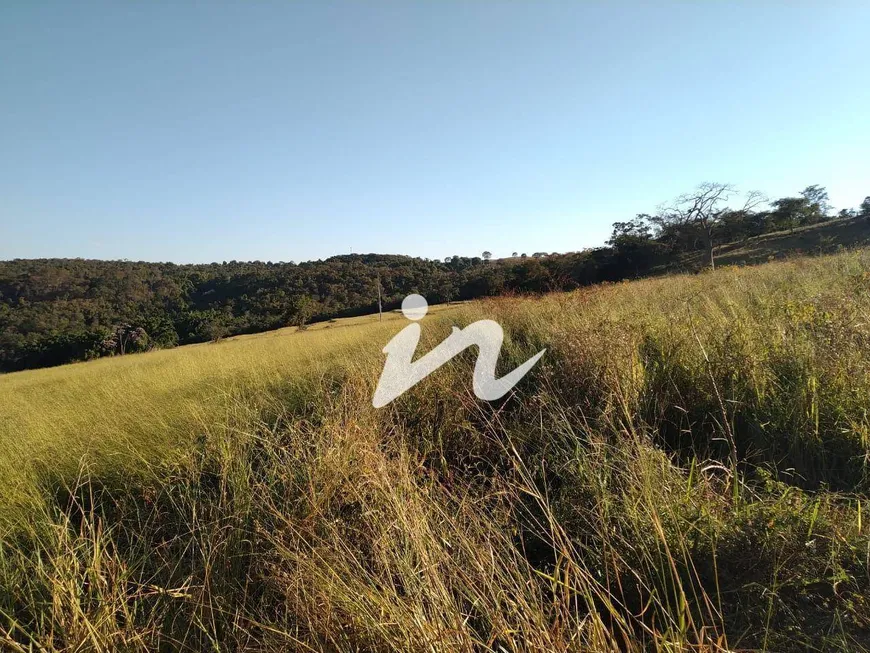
(814, 239)
(686, 469)
(58, 311)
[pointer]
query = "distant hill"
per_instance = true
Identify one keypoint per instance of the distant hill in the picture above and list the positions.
(54, 311)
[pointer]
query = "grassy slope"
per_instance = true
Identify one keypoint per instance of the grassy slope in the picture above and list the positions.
(138, 409)
(824, 238)
(686, 467)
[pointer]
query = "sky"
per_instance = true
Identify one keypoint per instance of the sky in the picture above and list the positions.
(280, 131)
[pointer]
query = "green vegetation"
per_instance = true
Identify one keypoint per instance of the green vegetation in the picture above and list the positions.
(58, 311)
(685, 470)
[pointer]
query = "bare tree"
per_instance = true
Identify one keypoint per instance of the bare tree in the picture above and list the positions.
(704, 208)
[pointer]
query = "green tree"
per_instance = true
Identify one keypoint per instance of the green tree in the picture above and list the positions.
(633, 245)
(789, 212)
(817, 201)
(304, 308)
(809, 208)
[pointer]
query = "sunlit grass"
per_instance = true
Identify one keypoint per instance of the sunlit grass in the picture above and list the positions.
(686, 469)
(128, 410)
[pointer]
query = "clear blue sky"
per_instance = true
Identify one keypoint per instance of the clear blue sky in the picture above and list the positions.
(300, 130)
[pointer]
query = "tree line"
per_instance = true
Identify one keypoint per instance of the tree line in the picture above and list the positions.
(55, 311)
(715, 213)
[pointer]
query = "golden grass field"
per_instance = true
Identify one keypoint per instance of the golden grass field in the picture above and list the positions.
(686, 469)
(136, 409)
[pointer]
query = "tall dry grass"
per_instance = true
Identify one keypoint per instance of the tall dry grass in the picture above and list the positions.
(685, 470)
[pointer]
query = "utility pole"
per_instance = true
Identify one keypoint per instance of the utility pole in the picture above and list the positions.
(380, 311)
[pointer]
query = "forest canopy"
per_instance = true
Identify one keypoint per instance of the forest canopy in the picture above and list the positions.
(55, 311)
